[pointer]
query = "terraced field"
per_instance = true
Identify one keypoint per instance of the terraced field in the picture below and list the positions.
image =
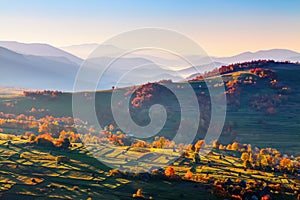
(28, 172)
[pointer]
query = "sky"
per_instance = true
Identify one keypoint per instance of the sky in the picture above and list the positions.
(221, 28)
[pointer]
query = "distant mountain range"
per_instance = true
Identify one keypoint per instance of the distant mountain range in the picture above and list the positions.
(38, 49)
(272, 54)
(84, 51)
(35, 72)
(42, 66)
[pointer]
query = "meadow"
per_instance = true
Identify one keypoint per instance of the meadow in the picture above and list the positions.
(44, 155)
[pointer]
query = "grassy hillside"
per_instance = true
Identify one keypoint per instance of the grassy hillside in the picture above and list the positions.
(263, 110)
(245, 122)
(30, 172)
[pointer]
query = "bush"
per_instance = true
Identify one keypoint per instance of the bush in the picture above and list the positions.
(62, 159)
(115, 172)
(138, 194)
(44, 142)
(76, 188)
(22, 155)
(31, 138)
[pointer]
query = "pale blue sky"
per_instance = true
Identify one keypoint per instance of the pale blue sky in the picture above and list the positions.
(220, 27)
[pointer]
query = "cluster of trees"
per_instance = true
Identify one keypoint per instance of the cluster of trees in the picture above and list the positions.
(142, 93)
(263, 73)
(159, 142)
(48, 127)
(40, 110)
(145, 92)
(240, 189)
(37, 93)
(257, 68)
(108, 135)
(116, 137)
(245, 65)
(260, 102)
(233, 86)
(264, 159)
(268, 159)
(47, 124)
(46, 140)
(225, 69)
(20, 122)
(267, 102)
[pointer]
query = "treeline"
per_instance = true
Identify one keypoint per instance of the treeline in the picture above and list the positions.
(38, 93)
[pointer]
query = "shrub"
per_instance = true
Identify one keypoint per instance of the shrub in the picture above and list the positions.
(44, 142)
(62, 159)
(76, 188)
(65, 143)
(115, 172)
(138, 194)
(22, 155)
(31, 138)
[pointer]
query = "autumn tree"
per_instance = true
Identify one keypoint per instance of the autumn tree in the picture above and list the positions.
(138, 194)
(215, 144)
(199, 144)
(170, 172)
(244, 156)
(249, 148)
(222, 147)
(160, 143)
(229, 147)
(235, 146)
(188, 175)
(285, 162)
(263, 161)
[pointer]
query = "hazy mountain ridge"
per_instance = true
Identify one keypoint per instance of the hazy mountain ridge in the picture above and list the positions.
(273, 54)
(35, 72)
(39, 49)
(52, 68)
